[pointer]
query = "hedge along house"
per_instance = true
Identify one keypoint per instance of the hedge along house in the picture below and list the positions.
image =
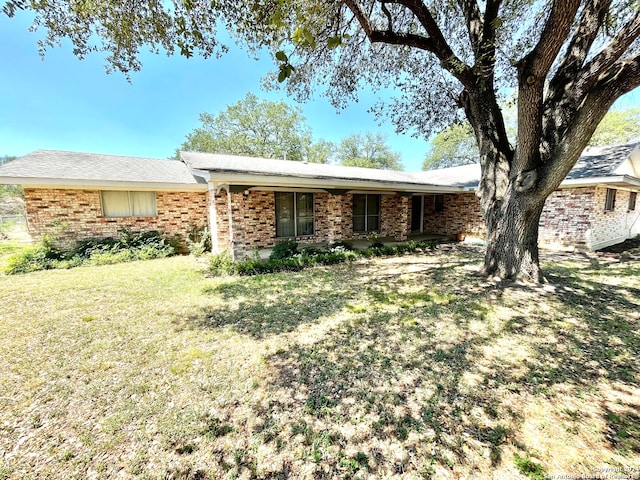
(255, 203)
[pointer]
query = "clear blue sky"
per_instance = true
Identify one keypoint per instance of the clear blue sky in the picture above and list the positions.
(63, 103)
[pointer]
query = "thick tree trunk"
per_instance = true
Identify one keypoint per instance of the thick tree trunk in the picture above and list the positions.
(512, 238)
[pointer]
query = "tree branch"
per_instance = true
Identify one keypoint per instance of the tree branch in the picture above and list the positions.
(532, 72)
(593, 70)
(434, 43)
(538, 62)
(475, 23)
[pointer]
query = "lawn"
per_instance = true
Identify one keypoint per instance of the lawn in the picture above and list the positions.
(406, 367)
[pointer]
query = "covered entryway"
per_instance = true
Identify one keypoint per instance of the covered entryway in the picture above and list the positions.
(417, 213)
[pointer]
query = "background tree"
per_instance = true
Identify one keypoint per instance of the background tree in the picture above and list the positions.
(451, 147)
(618, 126)
(257, 128)
(569, 60)
(369, 150)
(456, 145)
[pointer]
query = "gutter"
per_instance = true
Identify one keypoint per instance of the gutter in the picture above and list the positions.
(65, 183)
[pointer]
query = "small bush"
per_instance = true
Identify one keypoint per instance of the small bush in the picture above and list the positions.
(222, 264)
(98, 251)
(341, 246)
(29, 260)
(199, 241)
(285, 249)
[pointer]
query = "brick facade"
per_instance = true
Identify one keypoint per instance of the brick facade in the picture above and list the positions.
(77, 214)
(615, 226)
(566, 218)
(461, 214)
(572, 217)
(254, 222)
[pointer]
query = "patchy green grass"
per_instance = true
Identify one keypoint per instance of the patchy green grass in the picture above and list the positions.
(404, 367)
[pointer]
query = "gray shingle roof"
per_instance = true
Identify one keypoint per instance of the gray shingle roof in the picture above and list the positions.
(601, 161)
(595, 162)
(262, 166)
(77, 167)
(462, 176)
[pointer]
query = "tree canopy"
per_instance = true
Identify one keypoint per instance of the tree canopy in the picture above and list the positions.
(453, 146)
(617, 126)
(568, 60)
(456, 145)
(257, 128)
(367, 150)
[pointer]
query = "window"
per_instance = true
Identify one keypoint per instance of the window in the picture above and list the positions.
(366, 213)
(294, 214)
(632, 200)
(128, 204)
(439, 203)
(610, 201)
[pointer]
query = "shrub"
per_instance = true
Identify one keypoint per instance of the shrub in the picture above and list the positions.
(98, 251)
(284, 249)
(222, 264)
(341, 246)
(29, 260)
(199, 241)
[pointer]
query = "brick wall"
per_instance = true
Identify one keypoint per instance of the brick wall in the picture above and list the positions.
(254, 219)
(77, 214)
(461, 214)
(566, 218)
(611, 227)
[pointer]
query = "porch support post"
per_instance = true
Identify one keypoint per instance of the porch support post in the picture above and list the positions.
(404, 219)
(232, 248)
(213, 218)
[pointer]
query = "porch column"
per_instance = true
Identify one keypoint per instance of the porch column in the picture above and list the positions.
(335, 221)
(213, 218)
(403, 228)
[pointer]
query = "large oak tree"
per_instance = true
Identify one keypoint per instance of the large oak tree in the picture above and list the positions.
(569, 60)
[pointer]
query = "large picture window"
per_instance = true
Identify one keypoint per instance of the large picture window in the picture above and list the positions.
(366, 213)
(128, 204)
(294, 214)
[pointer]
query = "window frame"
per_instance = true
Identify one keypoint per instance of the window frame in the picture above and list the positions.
(295, 217)
(633, 197)
(610, 200)
(366, 214)
(438, 202)
(130, 202)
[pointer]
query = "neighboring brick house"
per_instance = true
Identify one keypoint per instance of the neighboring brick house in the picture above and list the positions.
(254, 203)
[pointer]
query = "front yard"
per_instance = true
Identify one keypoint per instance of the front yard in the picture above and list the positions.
(406, 367)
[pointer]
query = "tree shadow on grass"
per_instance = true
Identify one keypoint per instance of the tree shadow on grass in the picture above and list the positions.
(428, 370)
(427, 380)
(274, 304)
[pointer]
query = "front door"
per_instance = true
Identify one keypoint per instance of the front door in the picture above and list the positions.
(416, 213)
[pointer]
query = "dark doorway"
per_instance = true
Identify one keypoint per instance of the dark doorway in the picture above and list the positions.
(416, 213)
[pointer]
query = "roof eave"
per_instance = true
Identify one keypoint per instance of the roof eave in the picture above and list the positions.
(315, 182)
(618, 180)
(65, 183)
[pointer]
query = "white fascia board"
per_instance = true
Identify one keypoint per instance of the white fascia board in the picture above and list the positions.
(330, 183)
(65, 183)
(601, 181)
